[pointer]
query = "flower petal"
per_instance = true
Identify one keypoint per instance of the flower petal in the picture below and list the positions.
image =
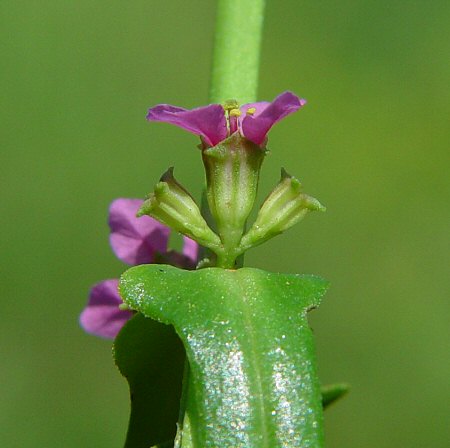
(135, 240)
(256, 127)
(190, 249)
(259, 107)
(208, 121)
(102, 316)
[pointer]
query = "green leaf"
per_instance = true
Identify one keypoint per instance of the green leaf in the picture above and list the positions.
(253, 379)
(151, 357)
(333, 392)
(168, 444)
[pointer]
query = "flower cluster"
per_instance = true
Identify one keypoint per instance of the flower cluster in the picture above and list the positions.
(233, 147)
(134, 241)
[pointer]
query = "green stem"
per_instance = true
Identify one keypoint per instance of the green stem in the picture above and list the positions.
(237, 46)
(235, 64)
(234, 75)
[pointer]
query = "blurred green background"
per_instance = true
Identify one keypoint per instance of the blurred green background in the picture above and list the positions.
(372, 145)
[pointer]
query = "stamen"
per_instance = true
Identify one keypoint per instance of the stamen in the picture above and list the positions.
(251, 110)
(230, 105)
(232, 112)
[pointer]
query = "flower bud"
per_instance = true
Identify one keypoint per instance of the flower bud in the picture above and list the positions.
(285, 206)
(172, 205)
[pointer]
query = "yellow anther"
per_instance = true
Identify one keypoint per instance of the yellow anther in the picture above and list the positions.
(235, 113)
(230, 105)
(251, 110)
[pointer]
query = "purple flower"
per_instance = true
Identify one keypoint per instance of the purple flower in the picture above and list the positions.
(134, 241)
(102, 315)
(214, 123)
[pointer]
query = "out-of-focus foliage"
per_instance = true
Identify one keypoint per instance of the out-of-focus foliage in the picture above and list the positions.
(372, 145)
(151, 358)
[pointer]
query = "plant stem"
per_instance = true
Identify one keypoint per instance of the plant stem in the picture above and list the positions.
(234, 75)
(237, 46)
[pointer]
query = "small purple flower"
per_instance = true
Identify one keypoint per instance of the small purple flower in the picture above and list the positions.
(214, 123)
(134, 241)
(102, 315)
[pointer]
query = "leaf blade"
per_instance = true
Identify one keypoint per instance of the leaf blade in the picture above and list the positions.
(253, 377)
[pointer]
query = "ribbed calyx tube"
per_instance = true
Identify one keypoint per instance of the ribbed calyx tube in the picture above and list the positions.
(232, 174)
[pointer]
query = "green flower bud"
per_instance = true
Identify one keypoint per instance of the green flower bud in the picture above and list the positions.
(172, 205)
(285, 206)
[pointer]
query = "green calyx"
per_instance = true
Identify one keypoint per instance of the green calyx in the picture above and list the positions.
(232, 175)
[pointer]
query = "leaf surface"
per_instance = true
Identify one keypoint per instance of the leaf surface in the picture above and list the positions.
(253, 379)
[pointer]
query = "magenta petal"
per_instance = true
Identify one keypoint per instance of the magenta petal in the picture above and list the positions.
(256, 127)
(102, 316)
(135, 240)
(259, 107)
(190, 249)
(208, 122)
